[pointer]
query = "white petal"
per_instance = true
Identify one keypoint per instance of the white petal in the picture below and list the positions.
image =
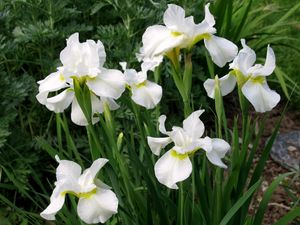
(57, 198)
(209, 18)
(147, 95)
(42, 97)
(123, 65)
(170, 169)
(219, 149)
(53, 82)
(181, 138)
(244, 60)
(61, 101)
(56, 203)
(77, 115)
(81, 59)
(269, 66)
(111, 103)
(260, 95)
(220, 49)
(227, 84)
(193, 126)
(109, 83)
(156, 144)
(205, 144)
(99, 207)
(157, 40)
(149, 62)
(134, 78)
(67, 170)
(86, 180)
(161, 124)
(97, 106)
(174, 17)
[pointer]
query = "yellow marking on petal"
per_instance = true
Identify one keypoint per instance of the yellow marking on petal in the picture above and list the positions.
(80, 194)
(259, 80)
(140, 85)
(87, 194)
(179, 156)
(198, 38)
(61, 77)
(240, 77)
(206, 36)
(176, 33)
(83, 79)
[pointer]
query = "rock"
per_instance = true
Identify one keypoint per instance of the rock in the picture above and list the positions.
(286, 150)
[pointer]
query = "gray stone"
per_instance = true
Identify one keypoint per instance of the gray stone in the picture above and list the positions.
(286, 150)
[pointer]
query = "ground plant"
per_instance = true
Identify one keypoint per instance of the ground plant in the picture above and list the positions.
(116, 112)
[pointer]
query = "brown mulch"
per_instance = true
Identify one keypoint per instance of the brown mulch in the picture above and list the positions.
(281, 202)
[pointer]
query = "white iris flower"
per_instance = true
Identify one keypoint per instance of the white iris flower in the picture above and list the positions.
(144, 92)
(97, 203)
(251, 78)
(82, 61)
(175, 165)
(182, 32)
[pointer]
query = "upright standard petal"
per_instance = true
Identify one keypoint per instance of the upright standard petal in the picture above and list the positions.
(99, 207)
(227, 84)
(147, 94)
(157, 40)
(220, 49)
(244, 60)
(88, 176)
(174, 17)
(172, 168)
(161, 124)
(82, 59)
(156, 144)
(67, 170)
(109, 83)
(268, 68)
(193, 126)
(209, 18)
(260, 95)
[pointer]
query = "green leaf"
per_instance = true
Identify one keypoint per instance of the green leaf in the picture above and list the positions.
(280, 76)
(240, 203)
(290, 216)
(266, 198)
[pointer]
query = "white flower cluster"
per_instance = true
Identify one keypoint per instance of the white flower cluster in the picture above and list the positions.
(84, 62)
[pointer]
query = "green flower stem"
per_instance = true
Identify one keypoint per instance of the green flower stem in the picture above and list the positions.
(95, 145)
(110, 131)
(58, 132)
(218, 205)
(181, 204)
(179, 82)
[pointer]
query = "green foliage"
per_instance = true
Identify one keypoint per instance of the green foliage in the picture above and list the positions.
(33, 32)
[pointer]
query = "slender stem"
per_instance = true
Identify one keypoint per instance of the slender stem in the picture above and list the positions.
(181, 204)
